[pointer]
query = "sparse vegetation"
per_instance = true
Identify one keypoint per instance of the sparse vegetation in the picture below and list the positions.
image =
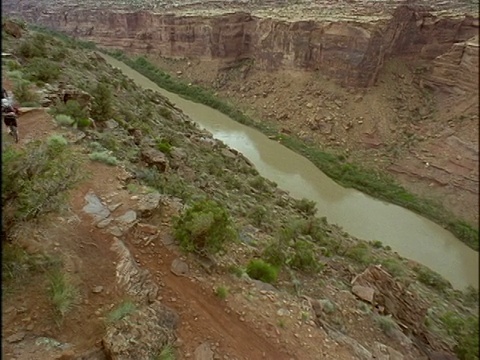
(167, 353)
(63, 293)
(71, 108)
(64, 120)
(124, 309)
(221, 292)
(386, 323)
(104, 157)
(24, 93)
(431, 279)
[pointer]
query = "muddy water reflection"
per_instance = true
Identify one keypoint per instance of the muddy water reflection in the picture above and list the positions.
(412, 236)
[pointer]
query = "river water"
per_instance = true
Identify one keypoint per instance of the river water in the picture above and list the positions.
(409, 234)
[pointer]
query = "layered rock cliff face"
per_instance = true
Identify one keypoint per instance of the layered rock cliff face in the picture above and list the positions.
(350, 52)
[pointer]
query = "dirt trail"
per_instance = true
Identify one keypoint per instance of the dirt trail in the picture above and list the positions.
(86, 249)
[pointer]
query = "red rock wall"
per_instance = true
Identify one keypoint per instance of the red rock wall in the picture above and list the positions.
(351, 53)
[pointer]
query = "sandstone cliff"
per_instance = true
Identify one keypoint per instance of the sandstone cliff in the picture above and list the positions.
(350, 52)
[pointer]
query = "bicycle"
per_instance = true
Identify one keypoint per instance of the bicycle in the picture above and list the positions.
(13, 132)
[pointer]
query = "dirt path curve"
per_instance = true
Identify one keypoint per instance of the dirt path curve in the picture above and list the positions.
(204, 316)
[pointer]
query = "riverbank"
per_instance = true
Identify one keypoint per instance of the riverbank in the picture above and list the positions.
(371, 182)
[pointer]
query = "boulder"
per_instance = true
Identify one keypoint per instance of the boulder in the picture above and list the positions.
(364, 292)
(203, 352)
(154, 157)
(179, 267)
(148, 203)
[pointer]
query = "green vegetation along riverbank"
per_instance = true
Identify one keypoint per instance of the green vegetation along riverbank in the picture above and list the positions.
(374, 183)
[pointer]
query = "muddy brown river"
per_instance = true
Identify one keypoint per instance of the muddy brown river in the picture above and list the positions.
(407, 233)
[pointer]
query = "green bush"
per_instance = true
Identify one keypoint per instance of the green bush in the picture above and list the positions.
(43, 70)
(83, 123)
(276, 253)
(62, 292)
(394, 267)
(22, 90)
(31, 48)
(465, 331)
(164, 146)
(304, 257)
(166, 113)
(204, 226)
(123, 310)
(104, 157)
(102, 109)
(359, 252)
(64, 120)
(221, 292)
(71, 108)
(432, 279)
(35, 179)
(306, 206)
(261, 270)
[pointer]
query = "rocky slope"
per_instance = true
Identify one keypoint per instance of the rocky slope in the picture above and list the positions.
(132, 293)
(417, 64)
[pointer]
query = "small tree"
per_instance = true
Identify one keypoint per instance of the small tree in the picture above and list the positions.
(101, 109)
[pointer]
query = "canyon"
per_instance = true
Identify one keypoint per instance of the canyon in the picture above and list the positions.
(390, 84)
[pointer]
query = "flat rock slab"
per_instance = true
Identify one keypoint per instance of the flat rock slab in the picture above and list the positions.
(95, 207)
(129, 217)
(364, 292)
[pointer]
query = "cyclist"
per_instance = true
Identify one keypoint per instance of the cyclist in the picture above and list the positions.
(9, 115)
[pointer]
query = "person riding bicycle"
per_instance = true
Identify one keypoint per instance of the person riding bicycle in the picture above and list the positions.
(9, 114)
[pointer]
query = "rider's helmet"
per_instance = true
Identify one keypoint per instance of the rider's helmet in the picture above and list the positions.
(5, 103)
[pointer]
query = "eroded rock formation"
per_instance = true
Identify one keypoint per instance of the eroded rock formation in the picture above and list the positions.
(352, 52)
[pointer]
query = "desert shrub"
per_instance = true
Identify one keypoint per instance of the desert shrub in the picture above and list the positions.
(306, 206)
(102, 108)
(258, 214)
(31, 48)
(276, 253)
(204, 226)
(71, 108)
(394, 267)
(304, 257)
(83, 123)
(63, 293)
(359, 252)
(386, 323)
(64, 120)
(164, 146)
(261, 270)
(258, 183)
(167, 353)
(43, 70)
(56, 143)
(23, 92)
(221, 292)
(165, 112)
(431, 278)
(35, 179)
(124, 309)
(17, 264)
(104, 157)
(465, 331)
(12, 66)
